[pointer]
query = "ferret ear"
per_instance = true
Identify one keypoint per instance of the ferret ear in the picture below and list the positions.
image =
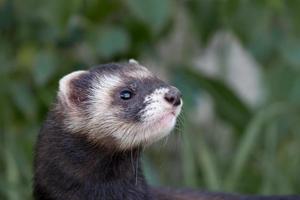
(67, 88)
(133, 61)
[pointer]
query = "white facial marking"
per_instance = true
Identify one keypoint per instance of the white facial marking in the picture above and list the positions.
(101, 113)
(98, 115)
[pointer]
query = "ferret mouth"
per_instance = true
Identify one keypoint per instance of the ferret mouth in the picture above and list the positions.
(167, 118)
(174, 113)
(168, 115)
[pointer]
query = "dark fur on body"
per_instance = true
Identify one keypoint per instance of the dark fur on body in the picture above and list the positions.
(70, 165)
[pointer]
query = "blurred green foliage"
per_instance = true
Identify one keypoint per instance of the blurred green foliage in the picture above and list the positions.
(42, 40)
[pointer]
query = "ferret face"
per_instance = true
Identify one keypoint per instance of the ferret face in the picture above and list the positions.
(123, 102)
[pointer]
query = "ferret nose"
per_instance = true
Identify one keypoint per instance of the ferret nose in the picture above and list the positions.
(173, 96)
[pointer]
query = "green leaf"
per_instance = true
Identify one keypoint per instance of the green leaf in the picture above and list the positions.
(206, 17)
(7, 19)
(282, 82)
(290, 50)
(12, 172)
(154, 13)
(251, 137)
(26, 55)
(24, 99)
(230, 107)
(150, 174)
(295, 92)
(188, 162)
(111, 41)
(207, 158)
(44, 67)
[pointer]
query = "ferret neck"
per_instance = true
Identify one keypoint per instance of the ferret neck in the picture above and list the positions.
(112, 173)
(70, 166)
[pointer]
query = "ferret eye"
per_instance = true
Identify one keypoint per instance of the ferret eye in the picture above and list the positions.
(126, 94)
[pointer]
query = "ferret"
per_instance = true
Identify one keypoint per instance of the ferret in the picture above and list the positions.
(90, 145)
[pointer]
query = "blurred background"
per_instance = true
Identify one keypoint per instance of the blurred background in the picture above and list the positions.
(237, 63)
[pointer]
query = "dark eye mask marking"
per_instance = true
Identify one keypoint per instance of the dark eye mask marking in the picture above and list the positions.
(132, 109)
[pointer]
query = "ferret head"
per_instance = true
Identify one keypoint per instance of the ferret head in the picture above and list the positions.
(124, 104)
